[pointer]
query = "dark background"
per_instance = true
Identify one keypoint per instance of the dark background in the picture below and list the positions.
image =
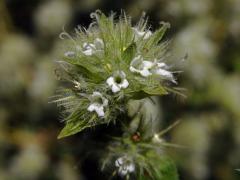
(208, 31)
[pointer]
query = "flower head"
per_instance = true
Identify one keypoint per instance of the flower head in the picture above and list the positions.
(124, 165)
(142, 34)
(125, 50)
(117, 81)
(98, 102)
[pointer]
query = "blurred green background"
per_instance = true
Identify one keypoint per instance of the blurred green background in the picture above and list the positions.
(207, 30)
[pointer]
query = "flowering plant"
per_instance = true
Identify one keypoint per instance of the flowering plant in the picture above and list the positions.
(105, 66)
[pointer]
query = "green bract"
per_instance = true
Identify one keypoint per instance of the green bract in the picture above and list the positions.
(98, 72)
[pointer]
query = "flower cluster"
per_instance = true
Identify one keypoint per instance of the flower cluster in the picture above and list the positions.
(138, 157)
(108, 64)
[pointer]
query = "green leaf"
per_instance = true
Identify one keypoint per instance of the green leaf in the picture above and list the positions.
(87, 71)
(129, 52)
(72, 128)
(155, 91)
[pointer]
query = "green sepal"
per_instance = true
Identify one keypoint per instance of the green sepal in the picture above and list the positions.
(155, 91)
(162, 168)
(149, 91)
(158, 35)
(129, 53)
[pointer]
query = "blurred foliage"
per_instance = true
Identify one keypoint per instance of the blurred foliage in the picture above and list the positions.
(208, 31)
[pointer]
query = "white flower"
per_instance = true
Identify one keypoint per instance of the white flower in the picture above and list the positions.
(89, 49)
(117, 81)
(124, 165)
(69, 54)
(140, 66)
(142, 34)
(147, 68)
(98, 102)
(160, 69)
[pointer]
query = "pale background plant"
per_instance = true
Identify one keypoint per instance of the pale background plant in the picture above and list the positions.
(29, 125)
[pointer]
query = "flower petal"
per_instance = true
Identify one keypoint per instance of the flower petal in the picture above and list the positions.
(99, 111)
(164, 73)
(132, 69)
(147, 34)
(119, 162)
(88, 49)
(115, 88)
(88, 52)
(131, 167)
(111, 83)
(124, 84)
(144, 34)
(147, 64)
(141, 67)
(162, 65)
(145, 72)
(91, 108)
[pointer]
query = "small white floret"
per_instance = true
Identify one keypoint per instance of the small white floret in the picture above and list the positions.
(138, 65)
(98, 102)
(117, 81)
(89, 49)
(142, 34)
(124, 165)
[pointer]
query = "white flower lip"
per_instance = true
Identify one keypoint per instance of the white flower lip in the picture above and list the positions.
(117, 81)
(160, 69)
(98, 102)
(142, 34)
(124, 165)
(89, 49)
